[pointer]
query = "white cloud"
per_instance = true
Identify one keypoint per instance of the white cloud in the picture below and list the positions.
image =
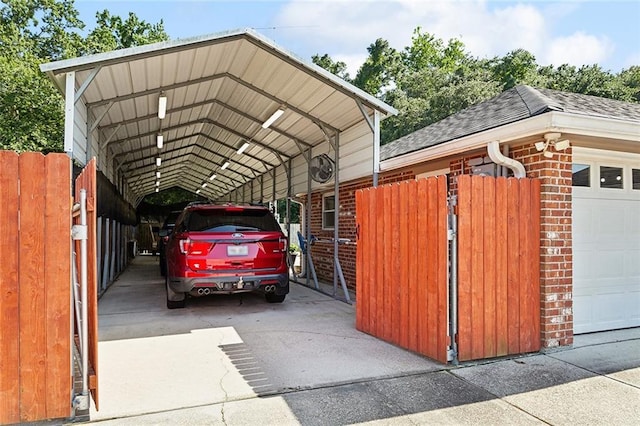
(344, 29)
(578, 49)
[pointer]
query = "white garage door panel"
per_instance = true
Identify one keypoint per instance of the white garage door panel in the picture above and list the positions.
(606, 268)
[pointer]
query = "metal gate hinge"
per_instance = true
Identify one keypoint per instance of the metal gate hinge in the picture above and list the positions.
(79, 232)
(451, 354)
(81, 402)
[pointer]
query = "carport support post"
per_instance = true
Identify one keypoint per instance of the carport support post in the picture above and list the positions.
(289, 205)
(376, 147)
(69, 112)
(337, 269)
(307, 231)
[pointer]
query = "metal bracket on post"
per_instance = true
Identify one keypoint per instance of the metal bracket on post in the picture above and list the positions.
(452, 235)
(79, 232)
(81, 402)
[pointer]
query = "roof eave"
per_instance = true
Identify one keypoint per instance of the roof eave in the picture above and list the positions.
(551, 121)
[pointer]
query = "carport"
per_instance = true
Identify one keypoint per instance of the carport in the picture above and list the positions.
(230, 116)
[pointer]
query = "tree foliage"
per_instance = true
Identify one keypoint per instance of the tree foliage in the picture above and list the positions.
(38, 31)
(430, 79)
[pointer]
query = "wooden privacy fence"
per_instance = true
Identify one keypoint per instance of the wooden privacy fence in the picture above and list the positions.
(401, 272)
(404, 288)
(35, 272)
(498, 266)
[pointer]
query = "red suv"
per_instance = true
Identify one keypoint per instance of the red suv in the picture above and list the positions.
(224, 249)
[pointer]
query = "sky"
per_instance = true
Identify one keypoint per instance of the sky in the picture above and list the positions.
(572, 32)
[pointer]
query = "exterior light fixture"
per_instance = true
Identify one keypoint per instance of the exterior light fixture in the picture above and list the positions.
(157, 189)
(551, 139)
(243, 147)
(158, 174)
(204, 185)
(159, 140)
(158, 161)
(225, 165)
(273, 118)
(562, 145)
(162, 106)
(213, 176)
(157, 183)
(198, 191)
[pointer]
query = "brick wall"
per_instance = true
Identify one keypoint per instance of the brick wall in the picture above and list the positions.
(323, 252)
(556, 253)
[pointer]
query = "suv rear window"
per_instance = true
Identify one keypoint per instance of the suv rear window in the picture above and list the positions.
(231, 220)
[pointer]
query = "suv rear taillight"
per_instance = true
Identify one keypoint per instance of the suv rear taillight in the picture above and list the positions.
(282, 244)
(188, 246)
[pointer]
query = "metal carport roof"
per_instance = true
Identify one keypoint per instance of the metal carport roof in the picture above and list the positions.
(220, 89)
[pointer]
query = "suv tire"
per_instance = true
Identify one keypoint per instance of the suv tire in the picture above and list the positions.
(173, 304)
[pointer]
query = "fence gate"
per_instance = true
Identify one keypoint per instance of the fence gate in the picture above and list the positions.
(498, 266)
(431, 266)
(85, 286)
(36, 379)
(402, 263)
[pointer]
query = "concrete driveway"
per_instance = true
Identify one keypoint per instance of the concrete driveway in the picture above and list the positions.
(241, 361)
(228, 348)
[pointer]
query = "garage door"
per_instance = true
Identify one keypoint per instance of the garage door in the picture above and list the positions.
(606, 240)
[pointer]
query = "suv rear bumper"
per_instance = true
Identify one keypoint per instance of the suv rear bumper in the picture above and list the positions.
(231, 284)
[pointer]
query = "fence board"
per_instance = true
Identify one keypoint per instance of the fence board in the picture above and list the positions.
(33, 386)
(9, 289)
(422, 331)
(477, 270)
(441, 230)
(498, 269)
(502, 327)
(489, 267)
(59, 377)
(407, 258)
(413, 277)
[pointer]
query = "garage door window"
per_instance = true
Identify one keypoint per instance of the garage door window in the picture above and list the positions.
(611, 177)
(581, 173)
(635, 174)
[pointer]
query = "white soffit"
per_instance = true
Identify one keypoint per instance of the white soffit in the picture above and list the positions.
(220, 89)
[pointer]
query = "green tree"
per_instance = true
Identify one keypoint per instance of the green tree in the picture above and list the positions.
(338, 68)
(37, 31)
(113, 33)
(516, 67)
(379, 69)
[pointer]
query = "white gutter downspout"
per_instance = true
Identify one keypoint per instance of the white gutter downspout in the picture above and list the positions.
(493, 149)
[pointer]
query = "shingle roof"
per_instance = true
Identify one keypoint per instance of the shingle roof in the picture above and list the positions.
(516, 104)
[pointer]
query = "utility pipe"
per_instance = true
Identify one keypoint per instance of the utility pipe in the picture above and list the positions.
(493, 149)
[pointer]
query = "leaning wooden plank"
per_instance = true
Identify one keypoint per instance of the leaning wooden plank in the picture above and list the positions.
(9, 290)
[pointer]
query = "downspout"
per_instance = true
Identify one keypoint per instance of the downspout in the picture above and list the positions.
(493, 149)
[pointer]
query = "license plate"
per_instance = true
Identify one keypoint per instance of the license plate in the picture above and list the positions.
(237, 250)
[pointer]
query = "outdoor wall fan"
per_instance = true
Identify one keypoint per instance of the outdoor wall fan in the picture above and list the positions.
(321, 168)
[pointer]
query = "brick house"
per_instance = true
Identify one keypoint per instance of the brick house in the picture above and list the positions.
(586, 152)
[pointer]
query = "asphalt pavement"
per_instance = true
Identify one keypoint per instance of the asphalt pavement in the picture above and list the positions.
(240, 361)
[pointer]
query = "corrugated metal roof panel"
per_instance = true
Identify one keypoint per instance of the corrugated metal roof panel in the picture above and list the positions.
(218, 87)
